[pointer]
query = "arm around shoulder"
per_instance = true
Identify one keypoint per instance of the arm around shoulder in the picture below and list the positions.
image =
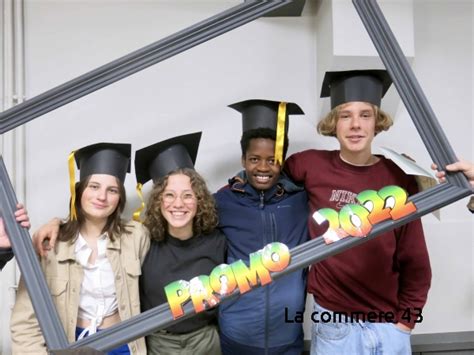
(296, 166)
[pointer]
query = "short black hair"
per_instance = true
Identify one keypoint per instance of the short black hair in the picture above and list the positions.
(265, 133)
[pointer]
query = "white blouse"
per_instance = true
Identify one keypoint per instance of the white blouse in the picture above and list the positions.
(98, 297)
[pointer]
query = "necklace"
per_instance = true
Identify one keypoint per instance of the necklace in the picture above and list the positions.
(372, 160)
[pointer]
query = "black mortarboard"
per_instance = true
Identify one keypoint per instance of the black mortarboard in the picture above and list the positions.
(356, 85)
(263, 113)
(101, 158)
(104, 158)
(159, 159)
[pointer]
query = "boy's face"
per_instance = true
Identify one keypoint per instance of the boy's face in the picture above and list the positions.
(355, 127)
(259, 163)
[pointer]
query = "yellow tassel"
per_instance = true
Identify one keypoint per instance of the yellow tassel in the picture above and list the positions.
(138, 211)
(280, 133)
(72, 185)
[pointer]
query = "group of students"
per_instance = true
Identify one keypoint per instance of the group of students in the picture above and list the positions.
(102, 270)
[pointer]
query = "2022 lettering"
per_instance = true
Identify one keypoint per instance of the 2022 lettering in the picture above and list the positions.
(357, 220)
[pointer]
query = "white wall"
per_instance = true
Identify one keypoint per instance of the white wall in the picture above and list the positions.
(444, 68)
(271, 58)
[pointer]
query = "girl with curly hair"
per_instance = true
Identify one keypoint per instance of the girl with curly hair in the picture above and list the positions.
(182, 219)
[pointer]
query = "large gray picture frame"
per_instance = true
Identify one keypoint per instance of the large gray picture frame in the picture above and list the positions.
(310, 252)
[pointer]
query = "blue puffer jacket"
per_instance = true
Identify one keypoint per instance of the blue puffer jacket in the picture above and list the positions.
(250, 220)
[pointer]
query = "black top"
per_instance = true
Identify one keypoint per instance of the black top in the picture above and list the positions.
(175, 259)
(5, 256)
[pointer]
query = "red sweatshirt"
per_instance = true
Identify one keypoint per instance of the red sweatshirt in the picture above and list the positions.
(388, 274)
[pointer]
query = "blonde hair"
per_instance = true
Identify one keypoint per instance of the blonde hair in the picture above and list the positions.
(327, 126)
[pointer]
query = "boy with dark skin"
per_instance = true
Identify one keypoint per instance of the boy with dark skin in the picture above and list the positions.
(257, 207)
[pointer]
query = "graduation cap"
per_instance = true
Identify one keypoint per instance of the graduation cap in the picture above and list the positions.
(158, 160)
(101, 158)
(268, 114)
(104, 158)
(356, 85)
(264, 113)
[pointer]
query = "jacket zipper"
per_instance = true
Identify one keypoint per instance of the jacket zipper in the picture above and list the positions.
(265, 242)
(267, 308)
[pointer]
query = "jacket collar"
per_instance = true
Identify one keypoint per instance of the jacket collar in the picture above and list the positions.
(239, 183)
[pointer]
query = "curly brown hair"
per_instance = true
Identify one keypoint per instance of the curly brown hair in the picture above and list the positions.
(205, 220)
(327, 126)
(115, 226)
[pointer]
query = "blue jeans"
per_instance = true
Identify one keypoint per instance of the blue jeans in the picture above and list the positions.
(361, 338)
(121, 350)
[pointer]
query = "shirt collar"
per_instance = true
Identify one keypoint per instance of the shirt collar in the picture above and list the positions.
(67, 251)
(81, 242)
(82, 250)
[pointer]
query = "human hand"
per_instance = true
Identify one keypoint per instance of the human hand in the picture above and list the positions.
(463, 166)
(21, 217)
(44, 238)
(4, 240)
(403, 327)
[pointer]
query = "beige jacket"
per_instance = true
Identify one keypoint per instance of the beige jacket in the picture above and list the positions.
(64, 277)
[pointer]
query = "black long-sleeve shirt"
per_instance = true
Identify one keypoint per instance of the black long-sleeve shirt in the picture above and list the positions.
(5, 256)
(175, 259)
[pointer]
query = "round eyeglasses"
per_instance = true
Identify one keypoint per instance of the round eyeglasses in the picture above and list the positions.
(187, 197)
